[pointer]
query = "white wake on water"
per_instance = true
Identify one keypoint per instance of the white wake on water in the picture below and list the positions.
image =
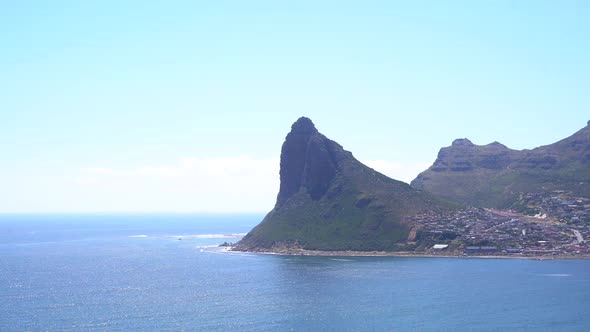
(194, 236)
(342, 259)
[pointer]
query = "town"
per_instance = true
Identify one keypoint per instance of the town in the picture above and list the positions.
(553, 224)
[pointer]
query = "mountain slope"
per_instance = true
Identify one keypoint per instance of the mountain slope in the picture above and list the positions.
(328, 200)
(495, 176)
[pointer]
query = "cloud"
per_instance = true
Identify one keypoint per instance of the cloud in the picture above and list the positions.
(397, 170)
(191, 166)
(226, 184)
(86, 181)
(101, 171)
(222, 184)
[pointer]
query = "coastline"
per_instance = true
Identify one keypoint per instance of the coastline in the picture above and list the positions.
(352, 253)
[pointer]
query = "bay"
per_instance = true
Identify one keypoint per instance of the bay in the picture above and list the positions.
(121, 272)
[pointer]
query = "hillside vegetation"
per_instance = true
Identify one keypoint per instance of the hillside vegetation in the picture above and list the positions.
(328, 200)
(495, 176)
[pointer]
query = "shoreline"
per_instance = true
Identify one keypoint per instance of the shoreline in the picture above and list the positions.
(352, 253)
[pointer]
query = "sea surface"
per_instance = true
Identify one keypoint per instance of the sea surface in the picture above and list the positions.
(129, 272)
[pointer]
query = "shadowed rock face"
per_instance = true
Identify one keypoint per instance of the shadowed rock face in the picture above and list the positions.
(306, 162)
(493, 175)
(463, 156)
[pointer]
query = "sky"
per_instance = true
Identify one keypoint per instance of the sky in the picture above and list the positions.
(182, 106)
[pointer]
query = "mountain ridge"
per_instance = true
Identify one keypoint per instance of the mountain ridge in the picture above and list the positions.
(328, 200)
(494, 175)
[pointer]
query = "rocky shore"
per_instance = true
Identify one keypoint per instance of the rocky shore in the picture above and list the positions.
(353, 253)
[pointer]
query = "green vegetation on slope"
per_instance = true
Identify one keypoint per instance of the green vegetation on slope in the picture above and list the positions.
(495, 176)
(331, 201)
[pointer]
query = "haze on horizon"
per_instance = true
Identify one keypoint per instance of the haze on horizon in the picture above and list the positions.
(180, 106)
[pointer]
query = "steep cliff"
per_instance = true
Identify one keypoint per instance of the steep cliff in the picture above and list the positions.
(495, 176)
(328, 200)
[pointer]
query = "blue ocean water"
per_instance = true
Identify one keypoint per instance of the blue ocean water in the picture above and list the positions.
(131, 272)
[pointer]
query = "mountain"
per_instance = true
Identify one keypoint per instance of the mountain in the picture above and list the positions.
(328, 200)
(495, 176)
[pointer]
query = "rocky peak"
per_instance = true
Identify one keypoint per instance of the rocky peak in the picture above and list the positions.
(462, 142)
(491, 175)
(303, 126)
(328, 200)
(463, 156)
(307, 162)
(498, 145)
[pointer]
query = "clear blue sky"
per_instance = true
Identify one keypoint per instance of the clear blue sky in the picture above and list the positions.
(183, 105)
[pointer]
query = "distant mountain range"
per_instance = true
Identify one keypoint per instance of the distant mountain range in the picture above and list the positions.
(329, 201)
(495, 176)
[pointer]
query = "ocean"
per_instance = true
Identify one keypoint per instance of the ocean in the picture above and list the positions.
(129, 272)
